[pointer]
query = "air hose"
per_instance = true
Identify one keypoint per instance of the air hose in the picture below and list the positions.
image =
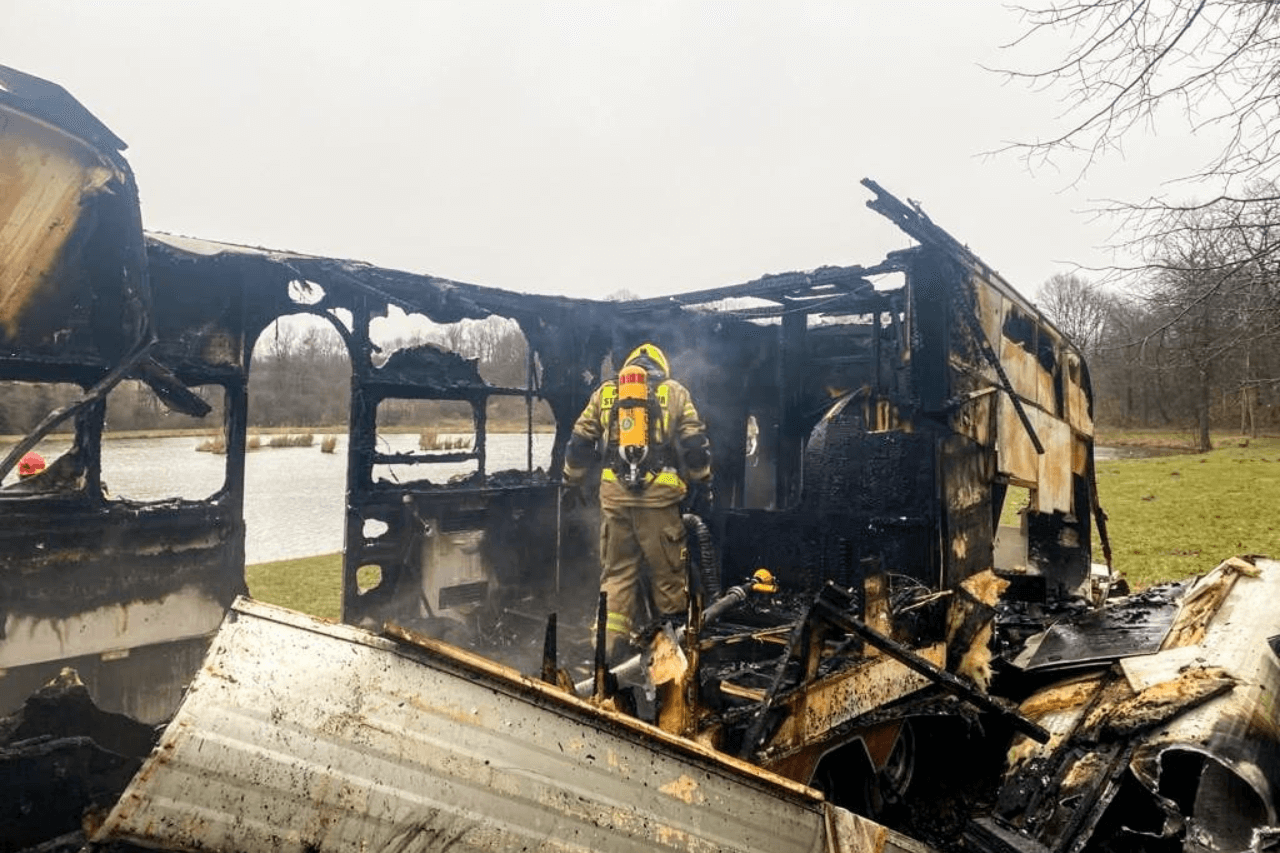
(708, 566)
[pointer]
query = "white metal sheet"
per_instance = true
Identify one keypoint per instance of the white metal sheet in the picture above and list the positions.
(299, 735)
(1239, 729)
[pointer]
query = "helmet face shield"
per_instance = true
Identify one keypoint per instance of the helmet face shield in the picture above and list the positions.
(651, 358)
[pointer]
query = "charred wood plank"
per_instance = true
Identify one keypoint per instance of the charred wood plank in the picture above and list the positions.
(952, 683)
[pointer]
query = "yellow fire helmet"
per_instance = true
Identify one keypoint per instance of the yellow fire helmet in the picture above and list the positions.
(762, 580)
(647, 354)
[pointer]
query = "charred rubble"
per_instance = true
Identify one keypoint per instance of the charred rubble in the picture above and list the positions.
(910, 653)
(63, 763)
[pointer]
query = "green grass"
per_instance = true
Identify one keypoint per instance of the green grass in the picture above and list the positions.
(1172, 517)
(310, 584)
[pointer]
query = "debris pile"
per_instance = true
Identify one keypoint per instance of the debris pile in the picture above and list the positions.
(63, 764)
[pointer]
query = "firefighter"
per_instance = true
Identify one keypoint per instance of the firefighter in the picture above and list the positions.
(654, 451)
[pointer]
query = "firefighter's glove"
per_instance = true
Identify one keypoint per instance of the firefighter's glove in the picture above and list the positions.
(572, 496)
(699, 499)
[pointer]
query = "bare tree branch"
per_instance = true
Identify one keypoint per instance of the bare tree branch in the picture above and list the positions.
(1214, 60)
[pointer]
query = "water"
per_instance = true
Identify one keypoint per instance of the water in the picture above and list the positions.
(295, 497)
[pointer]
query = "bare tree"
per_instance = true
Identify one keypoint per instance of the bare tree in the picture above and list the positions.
(1080, 309)
(1209, 271)
(1127, 379)
(1202, 293)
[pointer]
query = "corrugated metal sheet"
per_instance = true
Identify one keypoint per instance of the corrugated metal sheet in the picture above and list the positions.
(300, 734)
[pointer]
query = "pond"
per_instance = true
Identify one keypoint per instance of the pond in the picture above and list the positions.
(295, 497)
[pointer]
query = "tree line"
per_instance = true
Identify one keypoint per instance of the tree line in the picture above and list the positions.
(1192, 343)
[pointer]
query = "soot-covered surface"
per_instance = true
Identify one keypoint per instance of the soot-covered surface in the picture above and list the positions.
(63, 762)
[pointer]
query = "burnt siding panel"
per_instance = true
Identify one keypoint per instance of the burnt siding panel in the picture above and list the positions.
(1017, 455)
(208, 315)
(147, 684)
(50, 557)
(883, 486)
(77, 585)
(868, 500)
(967, 470)
(1058, 545)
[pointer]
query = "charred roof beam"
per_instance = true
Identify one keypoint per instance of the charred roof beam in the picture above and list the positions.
(910, 217)
(776, 286)
(843, 304)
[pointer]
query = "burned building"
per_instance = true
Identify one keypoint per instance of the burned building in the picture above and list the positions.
(905, 447)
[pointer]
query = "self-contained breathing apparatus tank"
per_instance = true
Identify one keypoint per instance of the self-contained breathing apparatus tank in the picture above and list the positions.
(633, 422)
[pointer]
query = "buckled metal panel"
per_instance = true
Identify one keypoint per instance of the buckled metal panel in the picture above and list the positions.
(299, 734)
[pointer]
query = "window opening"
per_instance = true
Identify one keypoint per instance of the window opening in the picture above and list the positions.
(426, 440)
(295, 470)
(25, 405)
(150, 453)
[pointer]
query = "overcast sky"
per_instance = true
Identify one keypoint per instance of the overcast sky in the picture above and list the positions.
(578, 148)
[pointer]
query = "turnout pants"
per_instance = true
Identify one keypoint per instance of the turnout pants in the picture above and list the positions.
(629, 537)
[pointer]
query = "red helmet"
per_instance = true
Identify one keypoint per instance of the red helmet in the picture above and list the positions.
(31, 464)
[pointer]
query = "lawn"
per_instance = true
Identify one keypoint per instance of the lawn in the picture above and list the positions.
(310, 584)
(1171, 517)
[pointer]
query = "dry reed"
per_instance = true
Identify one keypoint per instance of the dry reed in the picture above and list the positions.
(214, 444)
(430, 439)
